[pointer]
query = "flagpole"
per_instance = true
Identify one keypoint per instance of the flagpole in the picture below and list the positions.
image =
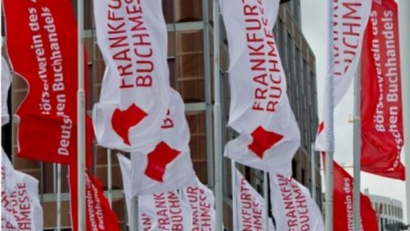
(329, 191)
(134, 214)
(330, 124)
(265, 194)
(313, 172)
(58, 197)
(81, 119)
(109, 170)
(357, 150)
(404, 30)
(217, 122)
(234, 202)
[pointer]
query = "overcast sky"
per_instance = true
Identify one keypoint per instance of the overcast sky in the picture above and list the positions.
(314, 16)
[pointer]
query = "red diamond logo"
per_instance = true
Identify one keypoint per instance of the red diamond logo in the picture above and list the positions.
(263, 140)
(158, 161)
(123, 121)
(321, 128)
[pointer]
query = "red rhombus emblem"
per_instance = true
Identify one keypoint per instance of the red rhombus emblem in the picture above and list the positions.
(123, 121)
(263, 140)
(158, 161)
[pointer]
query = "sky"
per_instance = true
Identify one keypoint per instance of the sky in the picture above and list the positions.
(314, 16)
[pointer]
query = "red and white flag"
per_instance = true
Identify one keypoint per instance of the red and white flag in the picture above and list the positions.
(8, 176)
(21, 208)
(45, 55)
(346, 25)
(164, 211)
(195, 205)
(381, 101)
(8, 185)
(99, 215)
(202, 201)
(343, 201)
(292, 206)
(169, 166)
(249, 206)
(260, 112)
(132, 36)
(5, 85)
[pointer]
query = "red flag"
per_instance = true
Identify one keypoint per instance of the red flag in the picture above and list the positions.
(41, 43)
(343, 201)
(381, 103)
(99, 215)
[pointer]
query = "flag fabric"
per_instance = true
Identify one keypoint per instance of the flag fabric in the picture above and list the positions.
(125, 167)
(343, 201)
(8, 185)
(169, 166)
(381, 98)
(99, 215)
(21, 208)
(8, 176)
(260, 112)
(292, 206)
(249, 206)
(41, 51)
(202, 201)
(164, 211)
(134, 99)
(347, 23)
(5, 85)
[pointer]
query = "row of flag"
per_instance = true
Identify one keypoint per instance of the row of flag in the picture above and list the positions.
(139, 113)
(373, 26)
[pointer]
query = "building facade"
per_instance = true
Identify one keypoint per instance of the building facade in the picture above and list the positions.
(189, 25)
(388, 210)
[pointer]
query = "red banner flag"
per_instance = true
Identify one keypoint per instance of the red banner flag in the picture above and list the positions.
(381, 103)
(99, 215)
(343, 201)
(41, 43)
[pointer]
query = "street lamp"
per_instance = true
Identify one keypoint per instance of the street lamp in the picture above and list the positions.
(397, 226)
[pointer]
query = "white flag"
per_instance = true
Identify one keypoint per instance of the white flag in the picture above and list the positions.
(8, 175)
(22, 203)
(5, 85)
(125, 166)
(202, 201)
(160, 211)
(249, 206)
(164, 211)
(8, 185)
(292, 206)
(132, 36)
(346, 30)
(169, 166)
(260, 112)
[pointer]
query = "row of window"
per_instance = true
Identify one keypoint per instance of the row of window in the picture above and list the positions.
(388, 209)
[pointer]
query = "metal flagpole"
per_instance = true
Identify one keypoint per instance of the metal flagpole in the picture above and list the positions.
(81, 119)
(329, 191)
(357, 150)
(404, 30)
(234, 202)
(109, 170)
(217, 122)
(58, 197)
(313, 168)
(134, 214)
(265, 194)
(330, 124)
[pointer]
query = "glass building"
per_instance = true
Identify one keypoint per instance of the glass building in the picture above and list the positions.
(190, 54)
